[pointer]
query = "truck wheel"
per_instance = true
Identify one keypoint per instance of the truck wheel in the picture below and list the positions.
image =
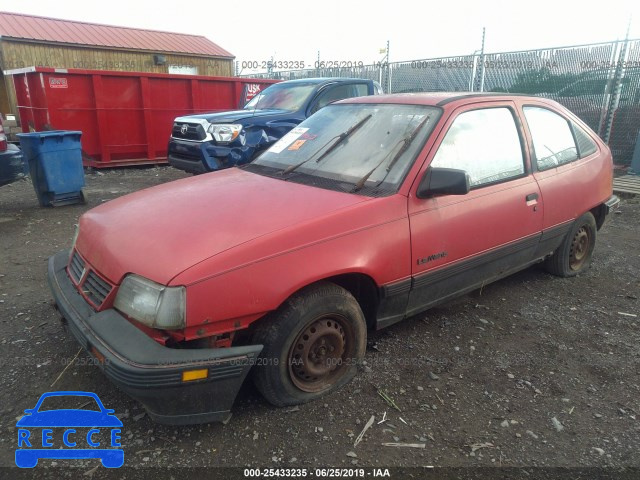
(573, 256)
(313, 345)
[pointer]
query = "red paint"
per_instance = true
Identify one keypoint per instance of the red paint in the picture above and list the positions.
(125, 117)
(243, 243)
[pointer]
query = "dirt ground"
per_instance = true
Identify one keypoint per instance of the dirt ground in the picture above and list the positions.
(533, 371)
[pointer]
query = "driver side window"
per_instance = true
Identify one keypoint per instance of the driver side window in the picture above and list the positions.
(485, 143)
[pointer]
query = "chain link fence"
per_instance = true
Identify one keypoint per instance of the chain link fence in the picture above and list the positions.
(599, 82)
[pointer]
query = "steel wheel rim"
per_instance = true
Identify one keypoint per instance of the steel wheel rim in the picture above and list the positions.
(321, 353)
(579, 248)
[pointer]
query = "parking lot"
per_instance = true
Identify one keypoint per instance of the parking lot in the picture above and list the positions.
(531, 371)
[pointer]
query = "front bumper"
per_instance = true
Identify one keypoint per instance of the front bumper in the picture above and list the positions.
(201, 157)
(146, 370)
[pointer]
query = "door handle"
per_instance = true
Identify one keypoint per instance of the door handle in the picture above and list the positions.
(531, 197)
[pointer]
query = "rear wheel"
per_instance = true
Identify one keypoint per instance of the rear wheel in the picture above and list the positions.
(573, 256)
(312, 345)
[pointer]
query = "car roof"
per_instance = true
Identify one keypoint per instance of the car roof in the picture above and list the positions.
(438, 99)
(319, 80)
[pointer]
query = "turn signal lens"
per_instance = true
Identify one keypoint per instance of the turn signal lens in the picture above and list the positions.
(191, 375)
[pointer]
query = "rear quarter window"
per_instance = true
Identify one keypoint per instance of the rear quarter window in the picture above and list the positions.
(586, 145)
(553, 141)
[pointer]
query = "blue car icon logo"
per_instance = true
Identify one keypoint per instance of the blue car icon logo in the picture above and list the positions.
(69, 433)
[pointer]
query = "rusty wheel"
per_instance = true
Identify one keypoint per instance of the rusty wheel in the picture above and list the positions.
(573, 256)
(579, 251)
(321, 353)
(312, 345)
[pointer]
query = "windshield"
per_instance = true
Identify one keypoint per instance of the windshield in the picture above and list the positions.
(283, 96)
(361, 148)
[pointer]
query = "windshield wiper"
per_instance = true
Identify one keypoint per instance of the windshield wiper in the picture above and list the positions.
(406, 142)
(338, 140)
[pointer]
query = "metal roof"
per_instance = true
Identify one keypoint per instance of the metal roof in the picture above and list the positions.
(44, 29)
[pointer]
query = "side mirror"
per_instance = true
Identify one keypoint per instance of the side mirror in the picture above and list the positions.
(443, 181)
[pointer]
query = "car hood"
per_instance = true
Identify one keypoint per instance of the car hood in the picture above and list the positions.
(160, 232)
(232, 116)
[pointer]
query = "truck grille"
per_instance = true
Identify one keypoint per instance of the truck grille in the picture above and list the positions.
(94, 288)
(188, 131)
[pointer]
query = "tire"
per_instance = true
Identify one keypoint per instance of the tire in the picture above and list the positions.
(313, 345)
(573, 256)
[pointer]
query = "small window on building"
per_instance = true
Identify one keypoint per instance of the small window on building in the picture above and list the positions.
(586, 145)
(553, 141)
(183, 69)
(484, 143)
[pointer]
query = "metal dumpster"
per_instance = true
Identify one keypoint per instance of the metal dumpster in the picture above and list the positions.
(125, 117)
(55, 166)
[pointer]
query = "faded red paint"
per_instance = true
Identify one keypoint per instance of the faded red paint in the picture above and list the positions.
(243, 243)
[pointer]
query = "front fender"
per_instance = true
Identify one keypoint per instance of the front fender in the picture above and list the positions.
(231, 290)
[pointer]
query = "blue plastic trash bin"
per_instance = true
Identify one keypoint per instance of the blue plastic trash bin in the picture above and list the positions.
(55, 166)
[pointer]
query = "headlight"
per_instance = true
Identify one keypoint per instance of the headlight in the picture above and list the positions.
(225, 133)
(150, 303)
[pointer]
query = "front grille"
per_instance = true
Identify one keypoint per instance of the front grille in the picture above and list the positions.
(76, 266)
(188, 131)
(94, 288)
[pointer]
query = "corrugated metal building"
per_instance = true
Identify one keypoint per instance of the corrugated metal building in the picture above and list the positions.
(27, 41)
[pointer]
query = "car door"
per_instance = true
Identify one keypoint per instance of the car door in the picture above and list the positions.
(459, 242)
(340, 91)
(555, 158)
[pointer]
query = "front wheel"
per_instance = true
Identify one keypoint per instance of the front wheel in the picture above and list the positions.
(313, 345)
(573, 256)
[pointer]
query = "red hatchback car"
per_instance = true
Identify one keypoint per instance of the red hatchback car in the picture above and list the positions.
(371, 211)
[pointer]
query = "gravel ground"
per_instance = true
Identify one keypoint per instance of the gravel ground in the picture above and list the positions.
(532, 371)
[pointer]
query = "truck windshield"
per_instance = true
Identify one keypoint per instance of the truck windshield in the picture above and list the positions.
(325, 150)
(282, 97)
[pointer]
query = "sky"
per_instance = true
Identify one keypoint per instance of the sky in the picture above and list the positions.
(342, 30)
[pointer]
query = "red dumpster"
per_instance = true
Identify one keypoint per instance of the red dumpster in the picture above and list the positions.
(125, 117)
